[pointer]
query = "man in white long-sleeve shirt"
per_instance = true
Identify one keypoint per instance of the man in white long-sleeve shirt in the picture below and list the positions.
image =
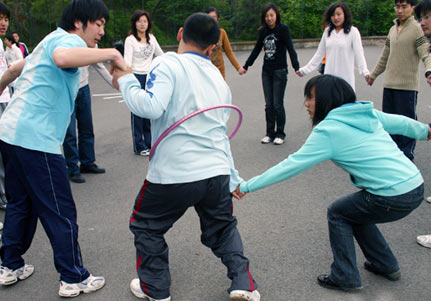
(83, 152)
(192, 166)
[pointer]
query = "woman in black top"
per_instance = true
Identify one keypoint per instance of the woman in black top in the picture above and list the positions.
(275, 39)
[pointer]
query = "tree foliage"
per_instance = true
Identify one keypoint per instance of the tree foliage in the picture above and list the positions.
(33, 19)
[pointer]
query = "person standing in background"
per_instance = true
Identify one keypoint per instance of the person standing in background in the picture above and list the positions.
(22, 46)
(405, 46)
(275, 39)
(140, 48)
(83, 152)
(223, 44)
(13, 54)
(340, 46)
(5, 96)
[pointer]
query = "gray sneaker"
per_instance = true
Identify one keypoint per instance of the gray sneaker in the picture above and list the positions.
(8, 277)
(89, 285)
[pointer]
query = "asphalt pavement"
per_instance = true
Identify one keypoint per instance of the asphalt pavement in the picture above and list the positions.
(283, 227)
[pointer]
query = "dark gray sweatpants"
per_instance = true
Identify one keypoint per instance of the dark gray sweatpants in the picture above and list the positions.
(159, 206)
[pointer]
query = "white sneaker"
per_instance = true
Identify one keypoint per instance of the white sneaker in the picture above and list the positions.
(240, 295)
(1, 226)
(8, 277)
(135, 287)
(89, 285)
(266, 140)
(428, 199)
(145, 153)
(424, 240)
(278, 141)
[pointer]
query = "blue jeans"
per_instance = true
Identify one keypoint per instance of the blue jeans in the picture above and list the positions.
(84, 151)
(274, 84)
(356, 215)
(141, 126)
(401, 102)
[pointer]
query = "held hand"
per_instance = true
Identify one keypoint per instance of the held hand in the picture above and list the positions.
(242, 71)
(237, 194)
(369, 80)
(118, 62)
(117, 73)
(299, 73)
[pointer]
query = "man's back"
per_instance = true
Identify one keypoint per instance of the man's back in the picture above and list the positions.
(198, 148)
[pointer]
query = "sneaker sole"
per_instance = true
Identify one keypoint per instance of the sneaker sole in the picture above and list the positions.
(6, 283)
(424, 245)
(239, 298)
(85, 291)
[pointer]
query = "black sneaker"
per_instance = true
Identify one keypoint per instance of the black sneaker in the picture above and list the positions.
(76, 178)
(391, 276)
(91, 169)
(326, 282)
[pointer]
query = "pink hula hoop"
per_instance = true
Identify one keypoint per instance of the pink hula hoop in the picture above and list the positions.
(165, 133)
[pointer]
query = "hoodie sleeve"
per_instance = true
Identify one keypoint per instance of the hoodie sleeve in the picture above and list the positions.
(317, 148)
(401, 125)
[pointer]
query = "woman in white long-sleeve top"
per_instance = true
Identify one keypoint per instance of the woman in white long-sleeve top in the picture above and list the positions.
(341, 41)
(140, 48)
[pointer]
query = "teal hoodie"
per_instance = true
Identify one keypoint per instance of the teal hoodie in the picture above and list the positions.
(356, 138)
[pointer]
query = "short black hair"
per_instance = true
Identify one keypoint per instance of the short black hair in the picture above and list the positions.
(411, 2)
(422, 8)
(84, 11)
(213, 9)
(137, 14)
(10, 38)
(347, 25)
(265, 9)
(330, 92)
(201, 30)
(4, 10)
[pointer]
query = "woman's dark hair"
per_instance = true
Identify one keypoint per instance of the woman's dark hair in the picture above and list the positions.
(84, 11)
(213, 9)
(265, 9)
(330, 92)
(347, 25)
(4, 10)
(137, 14)
(11, 39)
(422, 8)
(201, 30)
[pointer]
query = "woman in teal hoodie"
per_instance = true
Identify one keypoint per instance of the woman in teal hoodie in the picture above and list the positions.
(356, 137)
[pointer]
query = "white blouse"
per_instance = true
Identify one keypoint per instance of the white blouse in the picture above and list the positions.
(342, 50)
(140, 55)
(13, 54)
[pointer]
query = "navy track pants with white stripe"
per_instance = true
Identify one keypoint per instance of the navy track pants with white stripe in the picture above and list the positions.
(38, 187)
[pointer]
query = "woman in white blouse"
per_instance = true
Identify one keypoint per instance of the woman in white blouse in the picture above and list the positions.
(12, 54)
(342, 44)
(140, 48)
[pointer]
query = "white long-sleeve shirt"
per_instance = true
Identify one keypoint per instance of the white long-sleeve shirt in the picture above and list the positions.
(342, 50)
(100, 68)
(13, 54)
(178, 85)
(140, 55)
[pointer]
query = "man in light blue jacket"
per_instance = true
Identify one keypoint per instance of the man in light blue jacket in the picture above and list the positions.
(192, 166)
